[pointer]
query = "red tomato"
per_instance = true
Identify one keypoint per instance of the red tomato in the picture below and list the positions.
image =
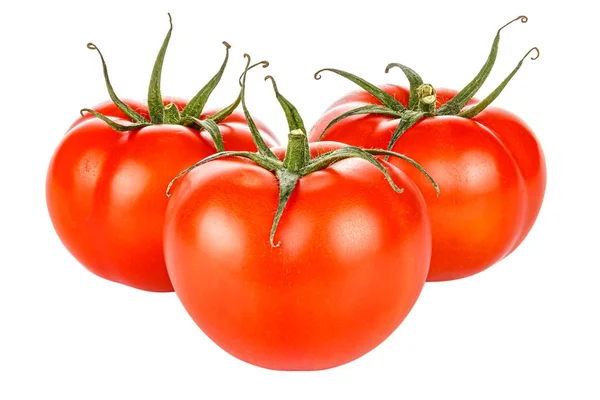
(106, 182)
(106, 191)
(490, 168)
(353, 259)
(491, 172)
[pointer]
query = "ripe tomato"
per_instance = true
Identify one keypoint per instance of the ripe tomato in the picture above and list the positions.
(105, 188)
(105, 193)
(489, 165)
(352, 259)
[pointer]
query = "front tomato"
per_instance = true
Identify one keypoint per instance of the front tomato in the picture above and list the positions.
(106, 180)
(345, 264)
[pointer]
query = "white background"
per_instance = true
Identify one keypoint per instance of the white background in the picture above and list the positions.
(527, 328)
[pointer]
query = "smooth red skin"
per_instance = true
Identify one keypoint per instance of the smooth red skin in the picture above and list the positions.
(353, 259)
(491, 172)
(105, 191)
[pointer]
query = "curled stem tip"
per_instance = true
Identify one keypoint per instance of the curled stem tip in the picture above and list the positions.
(263, 63)
(521, 18)
(453, 106)
(270, 78)
(133, 115)
(479, 107)
(317, 74)
(537, 53)
(227, 44)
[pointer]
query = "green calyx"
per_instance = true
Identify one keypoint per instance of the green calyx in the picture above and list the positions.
(297, 162)
(168, 114)
(422, 100)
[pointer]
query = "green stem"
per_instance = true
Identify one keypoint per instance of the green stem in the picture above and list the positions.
(171, 114)
(298, 152)
(479, 107)
(427, 98)
(156, 109)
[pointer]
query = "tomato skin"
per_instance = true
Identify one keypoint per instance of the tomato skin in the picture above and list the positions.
(353, 259)
(491, 173)
(105, 191)
(522, 144)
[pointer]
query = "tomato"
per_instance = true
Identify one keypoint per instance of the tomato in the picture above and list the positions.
(347, 259)
(105, 188)
(490, 166)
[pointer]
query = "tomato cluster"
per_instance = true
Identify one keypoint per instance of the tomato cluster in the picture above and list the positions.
(307, 256)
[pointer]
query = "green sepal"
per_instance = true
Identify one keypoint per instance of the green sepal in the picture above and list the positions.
(116, 126)
(210, 126)
(297, 162)
(262, 147)
(408, 119)
(226, 112)
(156, 108)
(266, 163)
(483, 104)
(368, 109)
(172, 115)
(457, 103)
(196, 105)
(287, 183)
(291, 113)
(412, 162)
(385, 98)
(125, 109)
(414, 81)
(329, 158)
